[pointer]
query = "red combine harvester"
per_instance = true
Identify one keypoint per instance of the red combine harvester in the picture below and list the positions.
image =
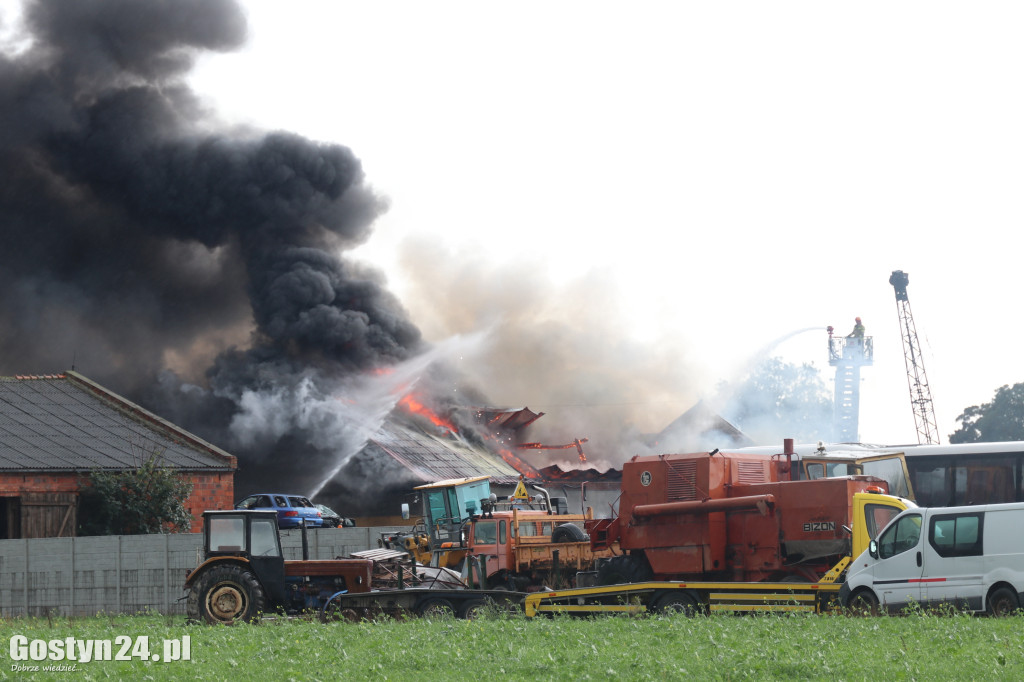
(714, 531)
(719, 516)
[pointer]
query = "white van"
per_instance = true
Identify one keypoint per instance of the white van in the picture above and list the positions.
(970, 557)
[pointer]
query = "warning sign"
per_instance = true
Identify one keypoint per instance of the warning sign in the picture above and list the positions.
(520, 493)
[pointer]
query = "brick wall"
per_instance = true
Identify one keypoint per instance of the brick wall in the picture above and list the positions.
(214, 490)
(210, 491)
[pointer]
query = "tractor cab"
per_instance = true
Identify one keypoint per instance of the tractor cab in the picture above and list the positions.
(251, 539)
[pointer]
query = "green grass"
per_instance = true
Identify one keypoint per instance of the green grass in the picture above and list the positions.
(913, 647)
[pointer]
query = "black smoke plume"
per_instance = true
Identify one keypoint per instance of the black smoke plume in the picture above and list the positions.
(194, 269)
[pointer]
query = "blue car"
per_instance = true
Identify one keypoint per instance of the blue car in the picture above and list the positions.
(291, 510)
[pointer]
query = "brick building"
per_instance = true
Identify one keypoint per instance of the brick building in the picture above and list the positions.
(55, 430)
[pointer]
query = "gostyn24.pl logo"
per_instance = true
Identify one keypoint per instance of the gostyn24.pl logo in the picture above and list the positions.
(28, 654)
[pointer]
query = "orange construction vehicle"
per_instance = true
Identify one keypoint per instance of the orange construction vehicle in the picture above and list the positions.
(523, 543)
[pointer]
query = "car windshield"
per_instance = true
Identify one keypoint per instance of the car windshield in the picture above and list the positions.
(299, 502)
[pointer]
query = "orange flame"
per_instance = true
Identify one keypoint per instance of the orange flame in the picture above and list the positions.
(414, 406)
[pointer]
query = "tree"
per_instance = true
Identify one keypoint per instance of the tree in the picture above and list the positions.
(999, 420)
(149, 499)
(780, 400)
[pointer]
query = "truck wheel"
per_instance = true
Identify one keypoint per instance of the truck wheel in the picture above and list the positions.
(473, 609)
(863, 603)
(226, 595)
(1002, 602)
(623, 569)
(568, 532)
(674, 602)
(436, 608)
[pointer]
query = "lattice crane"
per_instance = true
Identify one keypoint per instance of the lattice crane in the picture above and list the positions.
(917, 379)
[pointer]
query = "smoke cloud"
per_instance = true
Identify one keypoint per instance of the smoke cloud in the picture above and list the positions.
(195, 269)
(200, 270)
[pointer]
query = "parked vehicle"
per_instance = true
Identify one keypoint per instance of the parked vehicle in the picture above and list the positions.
(333, 519)
(526, 542)
(244, 575)
(292, 510)
(969, 557)
(720, 532)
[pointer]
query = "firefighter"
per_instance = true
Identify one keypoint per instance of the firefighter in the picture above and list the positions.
(858, 331)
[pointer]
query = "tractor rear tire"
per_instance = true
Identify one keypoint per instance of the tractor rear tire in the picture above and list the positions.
(226, 595)
(622, 569)
(568, 532)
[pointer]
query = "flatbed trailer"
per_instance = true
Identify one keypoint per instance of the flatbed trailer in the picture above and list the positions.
(461, 603)
(686, 597)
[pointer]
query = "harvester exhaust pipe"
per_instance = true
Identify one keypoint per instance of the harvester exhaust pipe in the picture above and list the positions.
(546, 495)
(788, 450)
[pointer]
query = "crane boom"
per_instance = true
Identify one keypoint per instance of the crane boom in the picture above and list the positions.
(917, 378)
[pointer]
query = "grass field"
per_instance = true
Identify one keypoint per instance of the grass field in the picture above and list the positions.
(912, 647)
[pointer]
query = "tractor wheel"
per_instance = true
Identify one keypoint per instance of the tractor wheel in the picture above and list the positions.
(625, 568)
(226, 595)
(1002, 602)
(436, 608)
(670, 603)
(568, 532)
(863, 603)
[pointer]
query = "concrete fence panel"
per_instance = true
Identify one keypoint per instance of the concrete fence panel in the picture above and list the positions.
(85, 576)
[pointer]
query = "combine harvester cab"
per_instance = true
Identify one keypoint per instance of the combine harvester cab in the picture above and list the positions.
(721, 532)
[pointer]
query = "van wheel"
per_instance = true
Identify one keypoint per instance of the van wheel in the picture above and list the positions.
(1002, 602)
(863, 603)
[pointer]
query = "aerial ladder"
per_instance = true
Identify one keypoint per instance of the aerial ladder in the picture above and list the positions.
(917, 379)
(848, 354)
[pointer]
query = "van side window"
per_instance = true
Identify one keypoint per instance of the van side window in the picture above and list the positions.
(957, 534)
(900, 537)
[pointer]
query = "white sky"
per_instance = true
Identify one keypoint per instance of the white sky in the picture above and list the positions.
(736, 171)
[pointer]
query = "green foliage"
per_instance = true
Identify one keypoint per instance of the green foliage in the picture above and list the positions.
(149, 499)
(780, 400)
(1002, 419)
(916, 646)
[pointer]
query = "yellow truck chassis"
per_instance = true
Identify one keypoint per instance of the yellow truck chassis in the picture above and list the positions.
(691, 597)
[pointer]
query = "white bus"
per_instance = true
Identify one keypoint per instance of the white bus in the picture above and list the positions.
(931, 475)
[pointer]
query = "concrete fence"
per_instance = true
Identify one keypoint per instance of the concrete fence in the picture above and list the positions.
(116, 574)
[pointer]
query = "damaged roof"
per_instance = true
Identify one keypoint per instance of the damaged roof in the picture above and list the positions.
(65, 422)
(434, 457)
